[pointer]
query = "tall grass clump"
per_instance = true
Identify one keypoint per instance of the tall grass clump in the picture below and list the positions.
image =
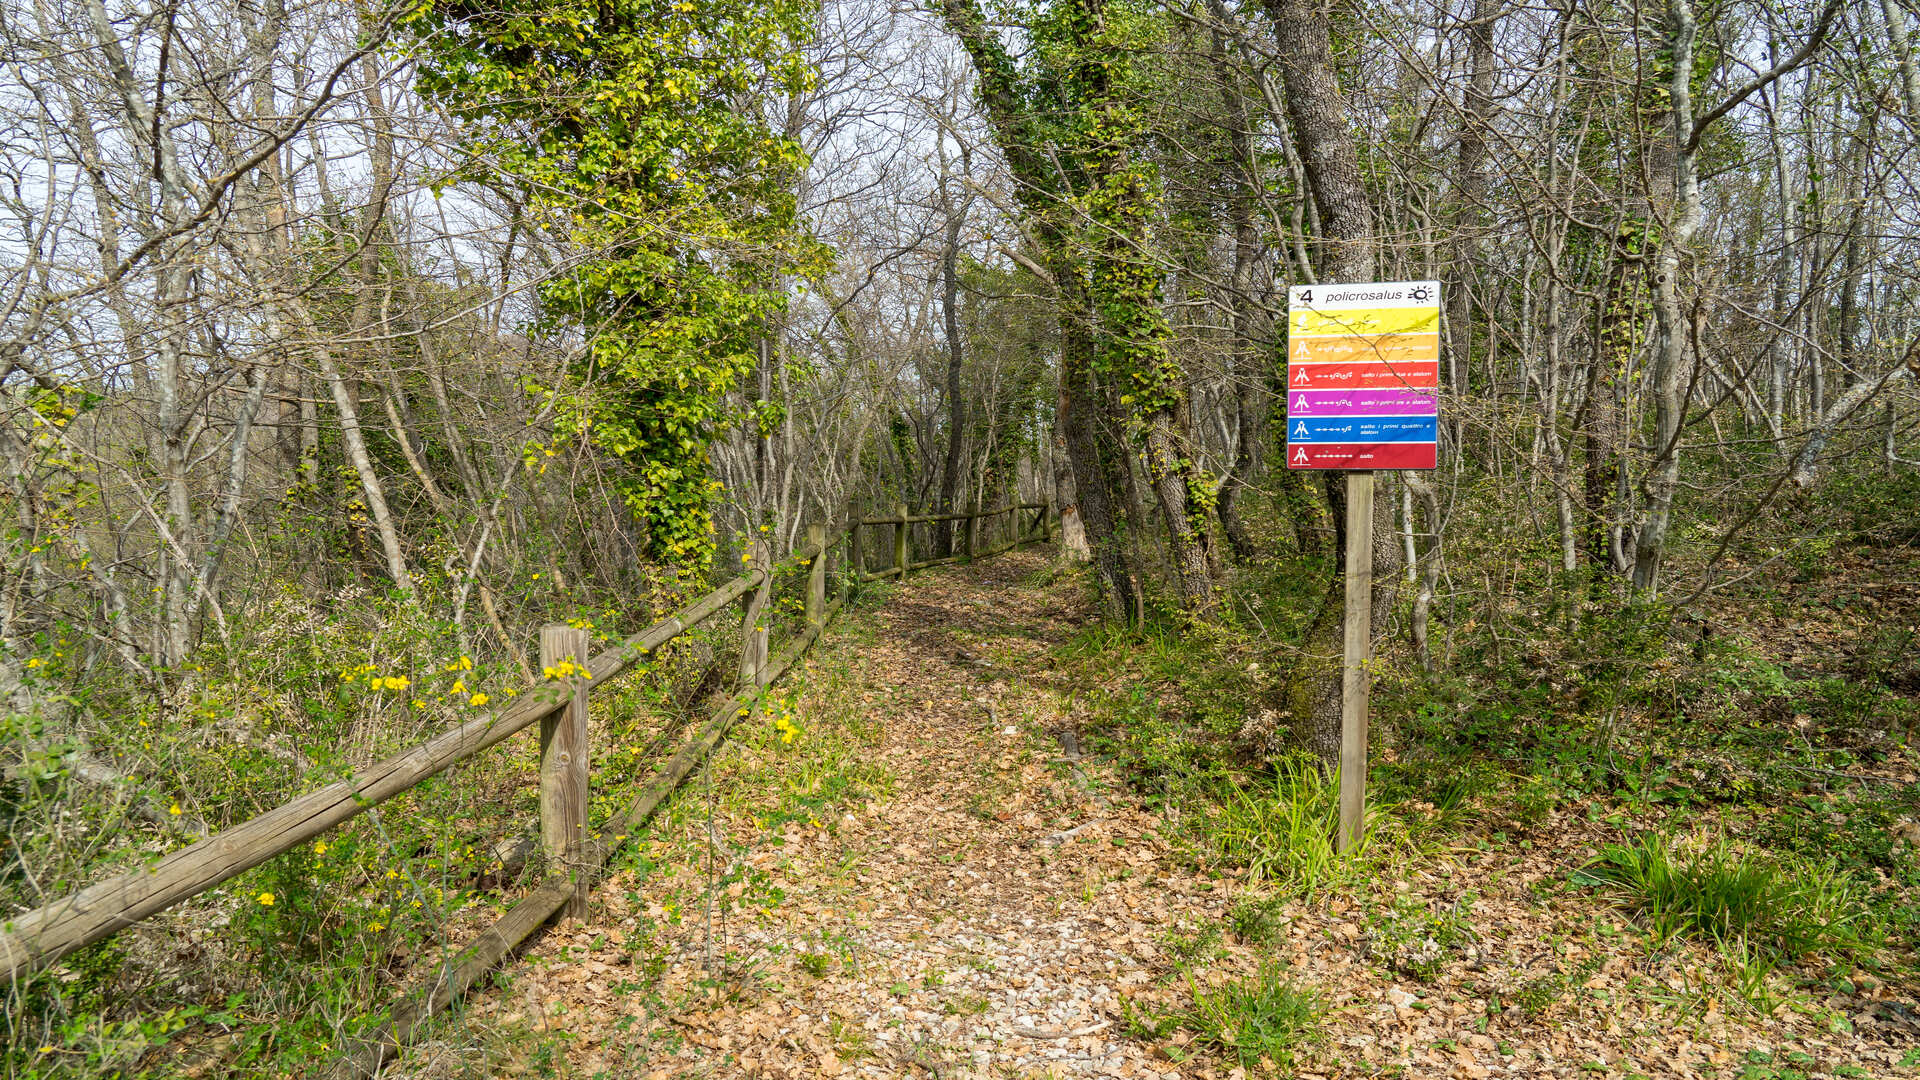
(1736, 898)
(1280, 828)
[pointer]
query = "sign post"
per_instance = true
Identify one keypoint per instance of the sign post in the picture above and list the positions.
(1363, 375)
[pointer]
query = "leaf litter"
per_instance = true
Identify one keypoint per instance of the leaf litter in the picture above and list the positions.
(988, 903)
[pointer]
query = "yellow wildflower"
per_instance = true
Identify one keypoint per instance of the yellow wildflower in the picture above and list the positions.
(477, 699)
(266, 899)
(319, 847)
(174, 809)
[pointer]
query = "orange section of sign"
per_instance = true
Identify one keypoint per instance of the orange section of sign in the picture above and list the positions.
(1415, 375)
(1386, 348)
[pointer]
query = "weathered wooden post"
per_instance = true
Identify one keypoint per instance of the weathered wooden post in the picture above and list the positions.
(817, 575)
(900, 541)
(1356, 647)
(966, 536)
(563, 760)
(1046, 521)
(753, 630)
(856, 554)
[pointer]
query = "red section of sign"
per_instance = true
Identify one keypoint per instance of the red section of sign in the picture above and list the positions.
(1361, 456)
(1370, 376)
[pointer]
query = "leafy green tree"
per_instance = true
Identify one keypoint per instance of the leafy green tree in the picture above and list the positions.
(638, 129)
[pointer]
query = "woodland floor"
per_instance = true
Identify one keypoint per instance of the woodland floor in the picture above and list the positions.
(929, 880)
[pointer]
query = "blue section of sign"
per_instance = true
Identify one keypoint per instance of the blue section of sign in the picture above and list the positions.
(1362, 429)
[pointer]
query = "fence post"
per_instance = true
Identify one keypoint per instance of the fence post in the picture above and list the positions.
(563, 760)
(966, 535)
(753, 632)
(900, 541)
(817, 575)
(856, 554)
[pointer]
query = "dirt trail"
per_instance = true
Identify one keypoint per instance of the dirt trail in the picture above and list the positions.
(916, 875)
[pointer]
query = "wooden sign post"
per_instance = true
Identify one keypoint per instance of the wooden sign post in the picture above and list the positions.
(1363, 375)
(1356, 650)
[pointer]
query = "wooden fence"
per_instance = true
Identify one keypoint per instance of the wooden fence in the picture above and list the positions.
(575, 853)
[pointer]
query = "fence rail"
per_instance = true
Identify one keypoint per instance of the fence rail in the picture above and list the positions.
(36, 939)
(901, 522)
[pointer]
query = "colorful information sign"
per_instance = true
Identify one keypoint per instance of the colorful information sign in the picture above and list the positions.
(1363, 371)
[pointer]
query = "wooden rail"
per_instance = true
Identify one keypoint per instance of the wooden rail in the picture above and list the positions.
(574, 852)
(900, 522)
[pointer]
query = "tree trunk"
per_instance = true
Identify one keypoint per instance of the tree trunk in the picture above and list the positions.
(1250, 366)
(1669, 359)
(1091, 451)
(1469, 183)
(1598, 421)
(956, 400)
(1316, 108)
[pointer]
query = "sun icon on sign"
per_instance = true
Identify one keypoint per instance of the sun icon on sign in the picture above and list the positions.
(1419, 293)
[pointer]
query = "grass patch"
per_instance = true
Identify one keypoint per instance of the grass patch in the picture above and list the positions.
(1733, 897)
(1280, 829)
(1258, 921)
(1260, 1021)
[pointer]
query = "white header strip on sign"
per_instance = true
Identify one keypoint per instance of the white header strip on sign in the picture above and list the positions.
(1377, 295)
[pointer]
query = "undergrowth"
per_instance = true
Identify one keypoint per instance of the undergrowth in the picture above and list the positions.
(1733, 896)
(1277, 828)
(1555, 705)
(1260, 1021)
(287, 962)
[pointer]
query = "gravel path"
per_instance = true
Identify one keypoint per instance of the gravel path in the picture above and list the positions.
(978, 938)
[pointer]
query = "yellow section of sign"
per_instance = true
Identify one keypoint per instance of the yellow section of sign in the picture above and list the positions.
(1367, 321)
(1390, 348)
